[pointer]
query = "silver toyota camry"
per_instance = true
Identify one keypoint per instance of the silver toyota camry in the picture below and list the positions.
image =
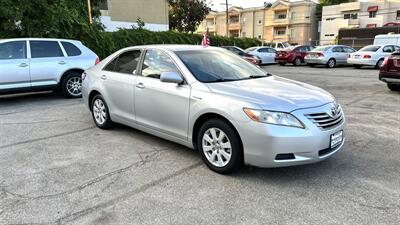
(209, 99)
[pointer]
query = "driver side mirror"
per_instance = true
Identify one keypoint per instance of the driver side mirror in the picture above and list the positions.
(171, 77)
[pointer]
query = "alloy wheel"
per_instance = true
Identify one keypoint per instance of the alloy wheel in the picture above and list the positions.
(331, 63)
(99, 111)
(216, 147)
(297, 62)
(74, 86)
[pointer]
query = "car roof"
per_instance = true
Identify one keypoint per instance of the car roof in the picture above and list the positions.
(37, 39)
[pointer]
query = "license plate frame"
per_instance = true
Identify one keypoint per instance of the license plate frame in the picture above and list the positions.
(336, 139)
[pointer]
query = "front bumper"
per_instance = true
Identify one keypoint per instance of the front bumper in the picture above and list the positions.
(315, 60)
(263, 142)
(362, 62)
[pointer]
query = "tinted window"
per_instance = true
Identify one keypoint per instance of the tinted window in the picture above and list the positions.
(271, 50)
(388, 48)
(348, 50)
(43, 49)
(156, 62)
(13, 50)
(321, 48)
(111, 65)
(370, 48)
(71, 49)
(337, 49)
(127, 62)
(262, 50)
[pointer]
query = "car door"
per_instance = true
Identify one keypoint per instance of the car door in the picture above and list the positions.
(158, 105)
(271, 55)
(118, 78)
(266, 55)
(47, 62)
(14, 65)
(339, 55)
(348, 52)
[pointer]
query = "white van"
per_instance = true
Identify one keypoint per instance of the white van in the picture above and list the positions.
(387, 39)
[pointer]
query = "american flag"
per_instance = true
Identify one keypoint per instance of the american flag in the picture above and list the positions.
(206, 40)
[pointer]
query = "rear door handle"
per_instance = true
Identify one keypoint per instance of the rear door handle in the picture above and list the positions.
(62, 62)
(140, 85)
(103, 77)
(23, 65)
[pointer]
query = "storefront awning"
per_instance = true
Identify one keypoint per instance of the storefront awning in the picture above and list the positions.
(373, 8)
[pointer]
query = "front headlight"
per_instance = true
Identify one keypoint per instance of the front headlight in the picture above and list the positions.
(277, 118)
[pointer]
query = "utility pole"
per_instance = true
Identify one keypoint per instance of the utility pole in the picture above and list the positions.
(227, 18)
(89, 12)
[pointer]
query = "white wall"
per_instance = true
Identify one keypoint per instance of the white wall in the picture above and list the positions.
(116, 25)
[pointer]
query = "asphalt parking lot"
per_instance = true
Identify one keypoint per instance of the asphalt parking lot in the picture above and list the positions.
(57, 168)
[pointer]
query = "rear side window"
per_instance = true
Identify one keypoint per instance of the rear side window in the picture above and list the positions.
(263, 50)
(388, 49)
(71, 49)
(13, 50)
(337, 49)
(125, 62)
(45, 49)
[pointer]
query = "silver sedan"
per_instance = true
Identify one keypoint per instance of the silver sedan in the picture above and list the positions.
(209, 99)
(330, 55)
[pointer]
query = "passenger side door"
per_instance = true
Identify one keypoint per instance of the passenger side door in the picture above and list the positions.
(118, 78)
(339, 55)
(14, 66)
(47, 62)
(158, 105)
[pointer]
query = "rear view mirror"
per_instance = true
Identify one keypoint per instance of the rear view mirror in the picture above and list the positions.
(171, 77)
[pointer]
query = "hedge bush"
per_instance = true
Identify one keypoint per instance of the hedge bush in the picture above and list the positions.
(105, 43)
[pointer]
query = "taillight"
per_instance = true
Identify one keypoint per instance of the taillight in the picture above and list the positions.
(366, 56)
(320, 54)
(83, 75)
(97, 61)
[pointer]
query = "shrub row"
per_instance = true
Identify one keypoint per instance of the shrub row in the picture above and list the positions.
(105, 43)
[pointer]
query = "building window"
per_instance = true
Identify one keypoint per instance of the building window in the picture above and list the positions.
(372, 14)
(329, 19)
(293, 16)
(280, 31)
(292, 33)
(259, 36)
(280, 15)
(398, 15)
(350, 16)
(329, 35)
(259, 22)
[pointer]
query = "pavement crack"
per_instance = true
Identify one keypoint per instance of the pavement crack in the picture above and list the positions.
(73, 216)
(45, 138)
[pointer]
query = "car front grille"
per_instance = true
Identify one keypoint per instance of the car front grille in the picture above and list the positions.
(327, 120)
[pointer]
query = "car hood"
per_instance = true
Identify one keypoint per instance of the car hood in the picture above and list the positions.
(274, 93)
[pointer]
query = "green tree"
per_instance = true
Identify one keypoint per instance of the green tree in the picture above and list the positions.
(48, 18)
(186, 15)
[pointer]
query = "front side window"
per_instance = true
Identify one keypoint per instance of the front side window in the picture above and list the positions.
(337, 49)
(348, 50)
(70, 49)
(388, 49)
(156, 62)
(45, 49)
(13, 50)
(213, 65)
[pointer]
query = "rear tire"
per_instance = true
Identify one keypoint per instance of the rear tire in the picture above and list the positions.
(393, 87)
(100, 113)
(220, 146)
(331, 63)
(357, 66)
(297, 61)
(71, 85)
(311, 64)
(379, 64)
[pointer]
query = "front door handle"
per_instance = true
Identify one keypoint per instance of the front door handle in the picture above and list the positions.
(23, 65)
(140, 85)
(103, 77)
(62, 62)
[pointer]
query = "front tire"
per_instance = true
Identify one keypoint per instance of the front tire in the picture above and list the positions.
(393, 87)
(331, 63)
(297, 61)
(220, 146)
(379, 64)
(71, 85)
(100, 113)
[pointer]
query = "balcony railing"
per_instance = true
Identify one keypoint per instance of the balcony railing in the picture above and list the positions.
(234, 26)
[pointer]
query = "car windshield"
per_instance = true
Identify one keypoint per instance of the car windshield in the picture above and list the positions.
(370, 48)
(217, 65)
(321, 48)
(285, 44)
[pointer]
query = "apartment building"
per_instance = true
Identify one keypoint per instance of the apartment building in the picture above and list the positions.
(241, 22)
(292, 22)
(368, 13)
(282, 21)
(116, 14)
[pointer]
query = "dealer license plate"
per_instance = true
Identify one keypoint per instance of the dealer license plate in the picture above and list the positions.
(336, 139)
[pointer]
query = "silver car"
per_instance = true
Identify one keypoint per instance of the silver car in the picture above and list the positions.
(210, 99)
(32, 64)
(371, 55)
(330, 55)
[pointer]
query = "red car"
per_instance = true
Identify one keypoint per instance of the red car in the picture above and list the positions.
(292, 54)
(390, 71)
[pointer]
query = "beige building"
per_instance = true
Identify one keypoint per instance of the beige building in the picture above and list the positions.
(368, 13)
(117, 14)
(283, 21)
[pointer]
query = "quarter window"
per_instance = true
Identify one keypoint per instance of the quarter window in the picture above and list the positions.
(157, 62)
(71, 49)
(44, 49)
(13, 50)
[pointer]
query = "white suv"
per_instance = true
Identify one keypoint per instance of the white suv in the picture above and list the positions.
(34, 64)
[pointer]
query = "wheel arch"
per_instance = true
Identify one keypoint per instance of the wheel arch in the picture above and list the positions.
(91, 96)
(78, 70)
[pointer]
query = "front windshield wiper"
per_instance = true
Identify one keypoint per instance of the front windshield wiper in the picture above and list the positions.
(221, 80)
(257, 76)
